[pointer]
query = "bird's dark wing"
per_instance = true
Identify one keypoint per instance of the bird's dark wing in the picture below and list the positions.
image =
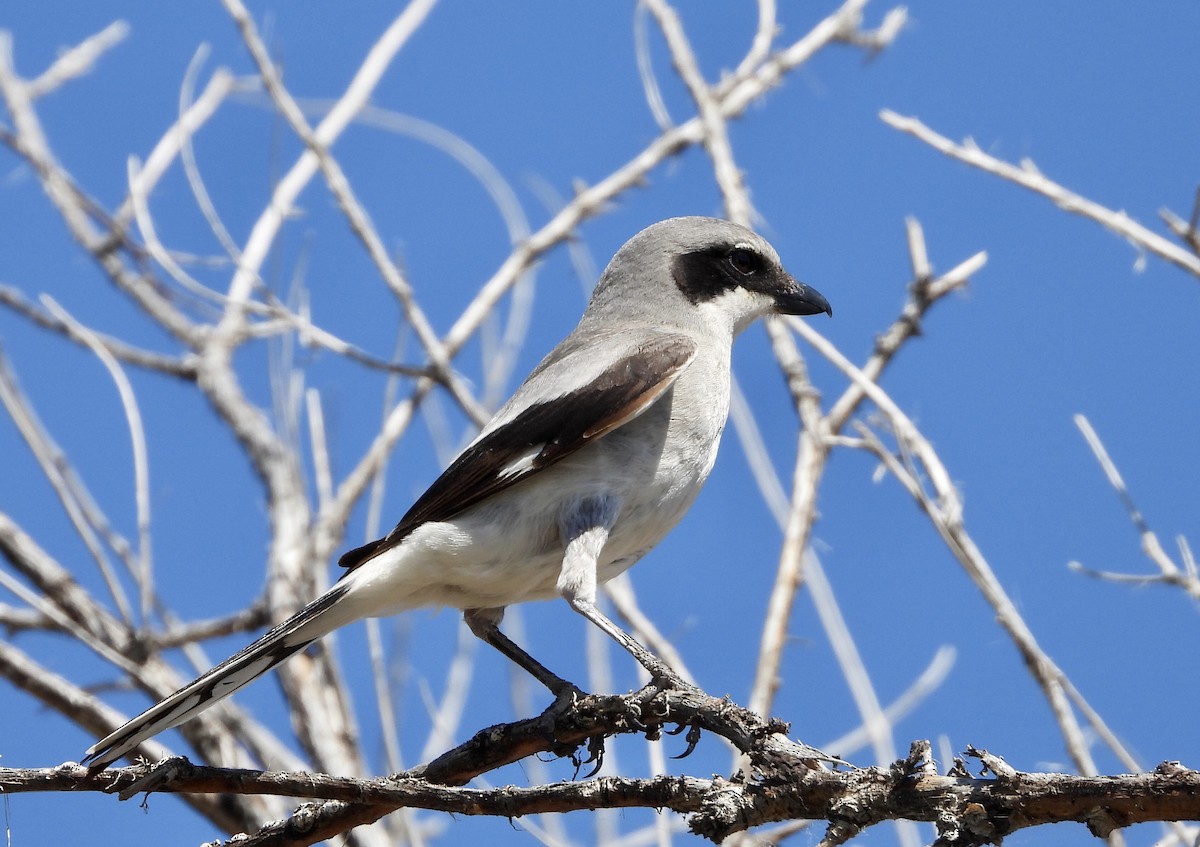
(544, 432)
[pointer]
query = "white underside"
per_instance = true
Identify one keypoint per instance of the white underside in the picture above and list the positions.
(509, 550)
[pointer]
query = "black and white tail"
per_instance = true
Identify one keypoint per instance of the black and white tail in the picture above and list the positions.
(246, 665)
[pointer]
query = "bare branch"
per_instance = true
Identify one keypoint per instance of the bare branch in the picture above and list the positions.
(716, 135)
(966, 811)
(819, 436)
(78, 61)
(89, 522)
(944, 508)
(183, 368)
(1169, 572)
(143, 570)
(66, 698)
(105, 242)
(1028, 176)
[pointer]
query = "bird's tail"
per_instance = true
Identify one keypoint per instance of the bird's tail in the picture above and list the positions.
(249, 663)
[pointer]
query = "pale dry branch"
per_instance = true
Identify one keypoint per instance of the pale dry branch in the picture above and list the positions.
(78, 60)
(944, 509)
(266, 229)
(176, 139)
(820, 434)
(143, 563)
(106, 242)
(181, 367)
(1028, 176)
(716, 134)
(318, 446)
(764, 36)
(498, 359)
(919, 691)
(645, 64)
(1169, 572)
(1186, 231)
(811, 453)
(854, 670)
(179, 634)
(14, 620)
(620, 591)
(84, 514)
(318, 142)
(140, 209)
(187, 155)
(448, 713)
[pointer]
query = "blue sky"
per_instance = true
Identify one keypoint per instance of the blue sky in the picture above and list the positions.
(1065, 318)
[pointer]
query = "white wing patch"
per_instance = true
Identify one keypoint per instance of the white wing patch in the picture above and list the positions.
(521, 464)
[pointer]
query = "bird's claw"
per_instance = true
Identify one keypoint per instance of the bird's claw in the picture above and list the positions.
(595, 753)
(693, 738)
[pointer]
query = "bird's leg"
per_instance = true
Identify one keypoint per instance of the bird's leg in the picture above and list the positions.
(485, 625)
(585, 528)
(662, 674)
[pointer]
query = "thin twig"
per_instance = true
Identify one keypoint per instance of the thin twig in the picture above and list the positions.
(1169, 572)
(716, 133)
(1028, 176)
(182, 367)
(144, 569)
(944, 508)
(78, 60)
(88, 520)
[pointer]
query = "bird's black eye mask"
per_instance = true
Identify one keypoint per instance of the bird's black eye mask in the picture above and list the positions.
(703, 275)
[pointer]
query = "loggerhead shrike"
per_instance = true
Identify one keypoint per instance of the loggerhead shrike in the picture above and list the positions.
(594, 459)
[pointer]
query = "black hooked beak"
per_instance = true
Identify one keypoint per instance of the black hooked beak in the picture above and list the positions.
(796, 298)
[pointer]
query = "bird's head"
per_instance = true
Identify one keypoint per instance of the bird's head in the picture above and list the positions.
(705, 268)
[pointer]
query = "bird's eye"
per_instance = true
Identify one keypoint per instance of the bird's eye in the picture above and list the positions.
(745, 262)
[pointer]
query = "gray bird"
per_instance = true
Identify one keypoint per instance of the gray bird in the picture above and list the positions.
(592, 461)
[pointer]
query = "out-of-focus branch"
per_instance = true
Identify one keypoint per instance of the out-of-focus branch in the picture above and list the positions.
(764, 37)
(320, 140)
(175, 139)
(142, 565)
(1189, 230)
(78, 60)
(944, 509)
(182, 367)
(1028, 176)
(88, 520)
(819, 436)
(88, 712)
(716, 135)
(106, 243)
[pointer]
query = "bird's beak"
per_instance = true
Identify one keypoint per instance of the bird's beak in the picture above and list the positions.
(796, 298)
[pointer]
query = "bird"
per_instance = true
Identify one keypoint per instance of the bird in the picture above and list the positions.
(592, 461)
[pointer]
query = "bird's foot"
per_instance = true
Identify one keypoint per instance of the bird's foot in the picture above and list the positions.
(566, 695)
(595, 755)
